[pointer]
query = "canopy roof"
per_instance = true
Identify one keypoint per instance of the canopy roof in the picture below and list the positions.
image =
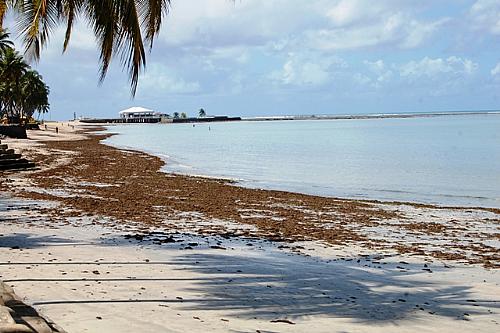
(135, 109)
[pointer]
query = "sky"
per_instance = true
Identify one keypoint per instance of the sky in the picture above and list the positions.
(283, 57)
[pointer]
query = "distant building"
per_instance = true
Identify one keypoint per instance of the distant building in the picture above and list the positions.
(138, 112)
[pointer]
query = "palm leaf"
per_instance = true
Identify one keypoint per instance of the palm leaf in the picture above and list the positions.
(121, 27)
(129, 42)
(151, 12)
(69, 10)
(37, 20)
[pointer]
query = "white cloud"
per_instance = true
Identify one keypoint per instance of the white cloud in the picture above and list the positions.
(377, 67)
(280, 24)
(496, 71)
(361, 23)
(361, 79)
(485, 15)
(381, 71)
(307, 69)
(398, 30)
(434, 68)
(158, 79)
(438, 76)
(223, 23)
(349, 12)
(223, 58)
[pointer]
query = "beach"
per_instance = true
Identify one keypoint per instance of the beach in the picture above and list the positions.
(100, 239)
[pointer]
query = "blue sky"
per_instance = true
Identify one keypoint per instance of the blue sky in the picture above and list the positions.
(272, 57)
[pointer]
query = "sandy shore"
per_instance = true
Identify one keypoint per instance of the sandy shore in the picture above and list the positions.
(99, 240)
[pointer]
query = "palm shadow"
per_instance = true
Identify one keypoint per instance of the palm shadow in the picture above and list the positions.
(30, 241)
(293, 286)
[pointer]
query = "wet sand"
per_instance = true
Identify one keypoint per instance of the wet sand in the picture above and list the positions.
(246, 260)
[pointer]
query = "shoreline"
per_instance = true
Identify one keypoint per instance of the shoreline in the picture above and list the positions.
(157, 196)
(394, 184)
(252, 186)
(99, 239)
(240, 183)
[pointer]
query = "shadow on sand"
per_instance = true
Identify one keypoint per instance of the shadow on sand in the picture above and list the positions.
(294, 286)
(31, 241)
(271, 284)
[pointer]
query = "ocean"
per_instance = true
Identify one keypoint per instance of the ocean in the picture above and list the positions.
(446, 160)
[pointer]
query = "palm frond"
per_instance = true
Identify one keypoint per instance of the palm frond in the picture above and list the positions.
(5, 41)
(121, 27)
(37, 19)
(101, 15)
(69, 9)
(129, 43)
(151, 13)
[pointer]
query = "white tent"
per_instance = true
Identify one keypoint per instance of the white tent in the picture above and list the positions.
(137, 112)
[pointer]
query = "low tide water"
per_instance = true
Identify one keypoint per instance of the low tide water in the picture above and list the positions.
(446, 160)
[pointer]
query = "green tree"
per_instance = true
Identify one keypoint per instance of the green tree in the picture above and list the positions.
(5, 42)
(183, 115)
(176, 115)
(202, 113)
(12, 69)
(121, 27)
(34, 94)
(22, 90)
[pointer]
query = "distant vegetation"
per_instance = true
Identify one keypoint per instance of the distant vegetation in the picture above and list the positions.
(202, 113)
(183, 115)
(22, 90)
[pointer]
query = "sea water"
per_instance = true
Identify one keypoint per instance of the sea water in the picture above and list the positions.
(446, 160)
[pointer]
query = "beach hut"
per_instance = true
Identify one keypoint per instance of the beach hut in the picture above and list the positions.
(137, 112)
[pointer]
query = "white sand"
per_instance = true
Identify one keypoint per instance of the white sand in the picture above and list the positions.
(75, 274)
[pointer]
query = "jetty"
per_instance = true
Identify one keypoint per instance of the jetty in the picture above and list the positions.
(159, 119)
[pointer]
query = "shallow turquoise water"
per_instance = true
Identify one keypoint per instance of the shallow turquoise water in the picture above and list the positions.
(450, 160)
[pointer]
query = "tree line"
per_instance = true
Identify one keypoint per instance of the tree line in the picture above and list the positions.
(22, 89)
(183, 115)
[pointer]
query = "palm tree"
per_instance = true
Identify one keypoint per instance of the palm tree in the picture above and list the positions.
(5, 42)
(184, 115)
(12, 69)
(22, 90)
(34, 94)
(176, 115)
(202, 113)
(121, 27)
(12, 65)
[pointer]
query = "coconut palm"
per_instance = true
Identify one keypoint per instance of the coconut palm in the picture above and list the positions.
(183, 115)
(120, 26)
(12, 69)
(12, 65)
(34, 94)
(5, 42)
(176, 115)
(202, 113)
(22, 90)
